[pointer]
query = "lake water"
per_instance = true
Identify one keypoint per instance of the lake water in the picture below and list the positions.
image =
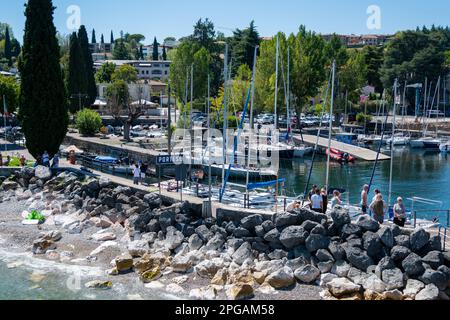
(416, 173)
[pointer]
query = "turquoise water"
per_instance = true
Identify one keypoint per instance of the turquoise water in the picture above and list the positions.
(416, 174)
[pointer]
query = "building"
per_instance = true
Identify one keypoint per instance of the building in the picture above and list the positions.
(358, 41)
(144, 91)
(101, 47)
(147, 70)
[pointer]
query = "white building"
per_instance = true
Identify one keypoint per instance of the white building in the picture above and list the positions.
(147, 70)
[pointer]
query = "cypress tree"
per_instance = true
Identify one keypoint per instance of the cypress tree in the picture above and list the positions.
(112, 37)
(164, 53)
(76, 78)
(43, 108)
(155, 55)
(102, 39)
(8, 54)
(141, 52)
(94, 38)
(91, 88)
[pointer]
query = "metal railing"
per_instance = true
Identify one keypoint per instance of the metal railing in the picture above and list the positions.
(447, 212)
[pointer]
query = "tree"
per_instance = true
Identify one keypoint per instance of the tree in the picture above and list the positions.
(76, 77)
(112, 37)
(91, 88)
(8, 54)
(243, 45)
(102, 39)
(93, 38)
(104, 74)
(204, 34)
(164, 54)
(125, 73)
(11, 90)
(374, 60)
(120, 51)
(155, 55)
(88, 122)
(141, 52)
(43, 109)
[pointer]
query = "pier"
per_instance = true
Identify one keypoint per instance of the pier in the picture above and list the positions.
(355, 151)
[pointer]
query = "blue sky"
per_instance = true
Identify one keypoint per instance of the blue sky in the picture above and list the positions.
(176, 17)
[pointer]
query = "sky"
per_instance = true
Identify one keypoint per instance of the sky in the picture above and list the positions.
(176, 18)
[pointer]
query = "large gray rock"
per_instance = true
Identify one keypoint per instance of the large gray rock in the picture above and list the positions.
(413, 266)
(272, 236)
(174, 238)
(413, 287)
(307, 274)
(325, 267)
(281, 278)
(385, 264)
(268, 225)
(403, 240)
(430, 292)
(358, 258)
(366, 223)
(337, 251)
(372, 244)
(351, 230)
(434, 259)
(342, 287)
(374, 284)
(437, 278)
(204, 233)
(340, 217)
(316, 241)
(243, 253)
(308, 225)
(386, 236)
(43, 173)
(341, 269)
(153, 200)
(215, 244)
(167, 219)
(250, 222)
(293, 236)
(399, 253)
(286, 219)
(419, 239)
(324, 255)
(393, 278)
(241, 232)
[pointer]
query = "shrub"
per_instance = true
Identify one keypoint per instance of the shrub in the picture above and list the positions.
(362, 118)
(89, 122)
(36, 215)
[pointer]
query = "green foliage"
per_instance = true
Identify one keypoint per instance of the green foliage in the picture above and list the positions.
(362, 118)
(35, 215)
(243, 45)
(8, 53)
(76, 76)
(125, 73)
(105, 73)
(155, 54)
(11, 90)
(91, 88)
(93, 38)
(43, 109)
(120, 51)
(374, 60)
(118, 97)
(164, 54)
(88, 122)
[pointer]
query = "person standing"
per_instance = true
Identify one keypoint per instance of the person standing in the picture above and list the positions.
(23, 161)
(46, 159)
(336, 201)
(379, 208)
(324, 195)
(1, 160)
(144, 168)
(317, 202)
(136, 175)
(55, 162)
(364, 198)
(399, 213)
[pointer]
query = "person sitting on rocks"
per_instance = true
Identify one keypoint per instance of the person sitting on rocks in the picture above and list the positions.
(379, 208)
(399, 213)
(317, 202)
(336, 201)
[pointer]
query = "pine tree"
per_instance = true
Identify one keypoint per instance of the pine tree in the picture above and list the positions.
(112, 37)
(8, 54)
(91, 89)
(43, 108)
(76, 78)
(155, 55)
(164, 54)
(102, 39)
(120, 51)
(94, 38)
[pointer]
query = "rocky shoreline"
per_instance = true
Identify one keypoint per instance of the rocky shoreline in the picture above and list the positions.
(295, 255)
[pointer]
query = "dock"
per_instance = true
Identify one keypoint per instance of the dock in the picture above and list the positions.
(355, 151)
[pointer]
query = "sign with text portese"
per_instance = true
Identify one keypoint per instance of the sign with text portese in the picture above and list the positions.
(168, 160)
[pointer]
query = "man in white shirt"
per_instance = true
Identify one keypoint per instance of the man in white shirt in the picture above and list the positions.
(317, 202)
(136, 175)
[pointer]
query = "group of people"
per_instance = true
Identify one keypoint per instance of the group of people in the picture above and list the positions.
(378, 207)
(44, 160)
(139, 172)
(319, 199)
(6, 163)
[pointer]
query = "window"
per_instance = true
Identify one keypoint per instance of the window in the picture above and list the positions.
(156, 65)
(158, 72)
(147, 72)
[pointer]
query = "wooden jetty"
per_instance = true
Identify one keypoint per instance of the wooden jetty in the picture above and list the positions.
(355, 151)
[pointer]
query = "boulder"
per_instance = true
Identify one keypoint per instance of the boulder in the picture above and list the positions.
(351, 229)
(286, 219)
(372, 244)
(357, 276)
(204, 233)
(9, 185)
(430, 292)
(124, 263)
(104, 236)
(399, 253)
(267, 225)
(241, 232)
(340, 217)
(99, 284)
(207, 293)
(293, 236)
(208, 268)
(393, 278)
(316, 241)
(419, 239)
(413, 287)
(342, 287)
(294, 264)
(434, 259)
(240, 292)
(151, 275)
(319, 229)
(181, 264)
(337, 251)
(195, 242)
(439, 279)
(308, 225)
(215, 243)
(340, 269)
(281, 278)
(138, 248)
(250, 222)
(326, 278)
(278, 254)
(243, 253)
(42, 173)
(373, 283)
(386, 236)
(366, 223)
(385, 264)
(272, 236)
(153, 200)
(307, 274)
(167, 219)
(174, 238)
(234, 244)
(325, 267)
(413, 266)
(445, 270)
(358, 258)
(324, 255)
(403, 240)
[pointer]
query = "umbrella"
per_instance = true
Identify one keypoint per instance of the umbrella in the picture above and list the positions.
(99, 103)
(73, 148)
(143, 102)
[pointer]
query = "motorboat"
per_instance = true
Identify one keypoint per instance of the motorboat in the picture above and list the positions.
(420, 143)
(340, 157)
(445, 147)
(398, 141)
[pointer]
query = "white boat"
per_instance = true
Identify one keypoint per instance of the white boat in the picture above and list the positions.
(420, 143)
(398, 141)
(300, 152)
(445, 147)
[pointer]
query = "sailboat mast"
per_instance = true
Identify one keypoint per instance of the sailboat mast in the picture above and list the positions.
(191, 124)
(225, 113)
(255, 57)
(288, 100)
(276, 82)
(392, 142)
(208, 145)
(327, 182)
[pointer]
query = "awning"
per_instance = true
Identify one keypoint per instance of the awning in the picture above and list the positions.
(74, 149)
(253, 186)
